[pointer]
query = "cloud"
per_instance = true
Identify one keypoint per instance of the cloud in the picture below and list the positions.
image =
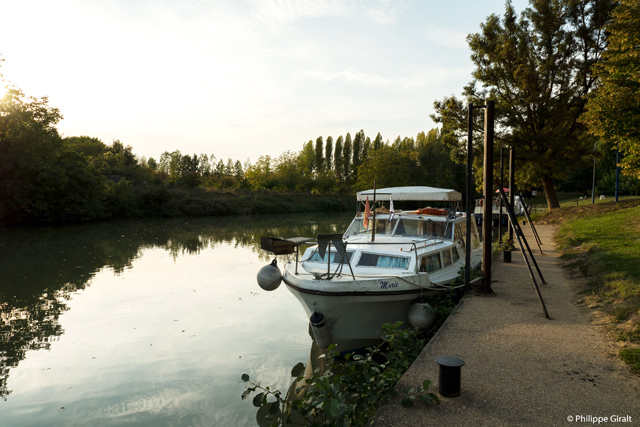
(351, 76)
(273, 12)
(286, 11)
(446, 37)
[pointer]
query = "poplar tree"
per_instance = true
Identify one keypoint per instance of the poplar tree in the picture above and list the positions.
(328, 153)
(366, 147)
(377, 143)
(358, 142)
(347, 151)
(337, 159)
(319, 155)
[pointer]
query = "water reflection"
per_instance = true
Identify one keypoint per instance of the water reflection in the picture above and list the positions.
(45, 269)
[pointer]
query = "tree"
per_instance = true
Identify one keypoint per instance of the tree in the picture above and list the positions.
(237, 171)
(319, 155)
(92, 148)
(41, 179)
(437, 168)
(220, 167)
(259, 176)
(389, 168)
(307, 158)
(366, 147)
(613, 109)
(328, 153)
(537, 69)
(358, 142)
(377, 143)
(347, 151)
(338, 159)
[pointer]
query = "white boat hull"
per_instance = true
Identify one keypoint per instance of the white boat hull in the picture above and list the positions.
(354, 318)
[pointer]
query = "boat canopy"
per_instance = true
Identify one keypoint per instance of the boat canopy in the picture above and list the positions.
(411, 193)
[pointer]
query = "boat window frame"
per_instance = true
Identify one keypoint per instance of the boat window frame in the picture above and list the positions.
(334, 254)
(423, 262)
(444, 263)
(455, 255)
(364, 252)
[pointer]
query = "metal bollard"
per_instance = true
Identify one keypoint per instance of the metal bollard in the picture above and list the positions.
(449, 378)
(506, 256)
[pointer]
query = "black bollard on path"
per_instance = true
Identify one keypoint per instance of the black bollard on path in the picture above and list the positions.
(449, 378)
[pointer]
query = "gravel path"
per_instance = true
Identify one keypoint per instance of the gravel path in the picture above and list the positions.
(521, 368)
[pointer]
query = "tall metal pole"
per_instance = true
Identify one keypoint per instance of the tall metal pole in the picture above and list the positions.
(500, 201)
(373, 229)
(617, 170)
(593, 184)
(467, 246)
(512, 186)
(488, 193)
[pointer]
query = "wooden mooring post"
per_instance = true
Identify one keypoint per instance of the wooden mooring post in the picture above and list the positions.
(488, 197)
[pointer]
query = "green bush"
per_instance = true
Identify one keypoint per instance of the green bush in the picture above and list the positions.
(351, 388)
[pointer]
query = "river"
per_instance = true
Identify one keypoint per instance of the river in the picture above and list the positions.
(146, 322)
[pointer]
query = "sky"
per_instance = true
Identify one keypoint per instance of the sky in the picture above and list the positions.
(240, 78)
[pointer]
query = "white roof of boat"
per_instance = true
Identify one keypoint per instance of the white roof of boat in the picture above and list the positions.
(411, 193)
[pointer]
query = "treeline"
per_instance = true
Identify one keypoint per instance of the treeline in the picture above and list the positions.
(47, 178)
(343, 165)
(350, 164)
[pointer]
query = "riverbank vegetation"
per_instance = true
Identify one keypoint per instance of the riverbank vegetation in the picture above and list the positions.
(601, 244)
(349, 389)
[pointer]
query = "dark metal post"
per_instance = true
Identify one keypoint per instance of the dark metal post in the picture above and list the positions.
(500, 201)
(373, 229)
(488, 193)
(467, 246)
(617, 170)
(512, 186)
(593, 184)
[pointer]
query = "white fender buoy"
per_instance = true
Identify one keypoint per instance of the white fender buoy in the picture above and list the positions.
(320, 330)
(269, 276)
(420, 315)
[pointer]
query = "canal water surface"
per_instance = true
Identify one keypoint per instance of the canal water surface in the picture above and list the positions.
(146, 323)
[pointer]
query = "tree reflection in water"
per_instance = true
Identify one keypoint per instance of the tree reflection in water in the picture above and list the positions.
(43, 266)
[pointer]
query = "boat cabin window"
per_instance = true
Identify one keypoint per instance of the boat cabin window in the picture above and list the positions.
(446, 258)
(430, 263)
(335, 257)
(383, 261)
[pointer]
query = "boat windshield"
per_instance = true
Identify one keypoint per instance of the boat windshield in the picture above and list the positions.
(383, 227)
(422, 227)
(401, 227)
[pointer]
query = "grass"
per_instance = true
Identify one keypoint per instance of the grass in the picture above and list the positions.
(571, 200)
(601, 243)
(632, 357)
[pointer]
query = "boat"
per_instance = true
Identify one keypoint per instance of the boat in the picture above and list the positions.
(381, 269)
(498, 210)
